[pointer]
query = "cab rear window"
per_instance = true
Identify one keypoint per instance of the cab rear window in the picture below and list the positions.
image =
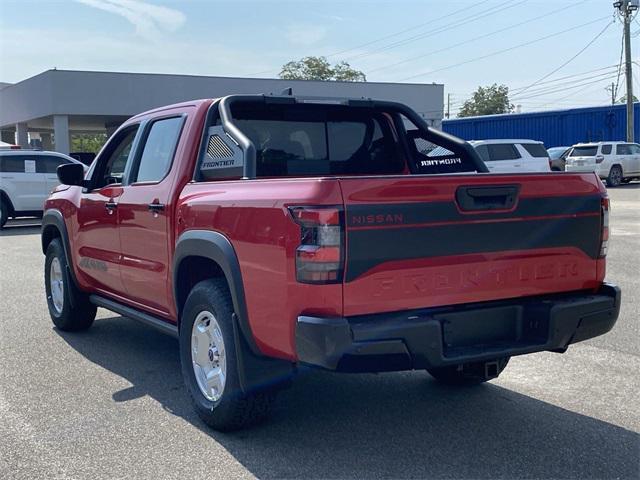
(310, 141)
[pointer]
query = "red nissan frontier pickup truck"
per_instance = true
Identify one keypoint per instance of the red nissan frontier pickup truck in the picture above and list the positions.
(267, 232)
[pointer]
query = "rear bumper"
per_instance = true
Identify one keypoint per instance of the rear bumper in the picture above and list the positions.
(587, 169)
(460, 334)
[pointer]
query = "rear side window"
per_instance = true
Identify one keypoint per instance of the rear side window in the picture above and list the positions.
(606, 149)
(49, 164)
(17, 164)
(536, 150)
(623, 150)
(158, 151)
(12, 164)
(584, 151)
(501, 151)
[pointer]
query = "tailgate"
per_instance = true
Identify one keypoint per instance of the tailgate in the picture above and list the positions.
(424, 241)
(589, 162)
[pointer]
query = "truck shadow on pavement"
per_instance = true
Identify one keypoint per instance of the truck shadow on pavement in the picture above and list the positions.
(401, 425)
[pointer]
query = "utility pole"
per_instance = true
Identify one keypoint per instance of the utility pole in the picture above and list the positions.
(627, 10)
(448, 105)
(612, 89)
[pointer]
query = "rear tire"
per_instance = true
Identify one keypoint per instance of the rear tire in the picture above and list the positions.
(207, 349)
(467, 373)
(615, 176)
(69, 308)
(4, 212)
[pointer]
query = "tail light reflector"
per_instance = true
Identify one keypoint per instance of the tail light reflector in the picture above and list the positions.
(320, 256)
(604, 234)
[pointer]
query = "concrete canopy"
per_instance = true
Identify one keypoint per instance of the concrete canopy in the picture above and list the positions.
(64, 102)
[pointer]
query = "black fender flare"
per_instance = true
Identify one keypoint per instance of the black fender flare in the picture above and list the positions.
(218, 248)
(53, 218)
(256, 370)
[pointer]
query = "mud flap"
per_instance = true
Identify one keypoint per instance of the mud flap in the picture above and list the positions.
(259, 373)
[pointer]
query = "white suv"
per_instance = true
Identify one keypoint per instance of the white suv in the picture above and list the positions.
(513, 156)
(615, 162)
(26, 179)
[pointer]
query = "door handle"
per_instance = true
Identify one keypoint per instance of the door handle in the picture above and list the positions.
(156, 207)
(111, 206)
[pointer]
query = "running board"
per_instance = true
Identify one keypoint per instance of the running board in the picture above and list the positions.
(129, 312)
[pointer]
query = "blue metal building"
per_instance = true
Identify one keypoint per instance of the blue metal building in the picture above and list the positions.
(555, 128)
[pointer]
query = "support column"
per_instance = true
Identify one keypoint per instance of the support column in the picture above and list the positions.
(47, 144)
(61, 134)
(22, 135)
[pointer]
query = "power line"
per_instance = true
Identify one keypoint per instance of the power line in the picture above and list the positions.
(580, 90)
(558, 84)
(573, 75)
(591, 42)
(465, 9)
(380, 39)
(609, 67)
(498, 52)
(615, 90)
(510, 27)
(564, 89)
(568, 82)
(458, 23)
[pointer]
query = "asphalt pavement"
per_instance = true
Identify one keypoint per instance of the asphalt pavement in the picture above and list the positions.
(110, 402)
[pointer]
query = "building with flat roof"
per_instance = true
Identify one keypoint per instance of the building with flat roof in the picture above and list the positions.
(52, 106)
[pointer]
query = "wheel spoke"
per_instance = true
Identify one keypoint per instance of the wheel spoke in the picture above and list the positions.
(215, 380)
(218, 341)
(56, 284)
(200, 346)
(208, 355)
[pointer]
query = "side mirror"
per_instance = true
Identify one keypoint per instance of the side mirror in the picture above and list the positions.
(71, 174)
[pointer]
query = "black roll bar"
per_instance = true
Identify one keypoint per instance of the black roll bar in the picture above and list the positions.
(438, 137)
(245, 143)
(443, 139)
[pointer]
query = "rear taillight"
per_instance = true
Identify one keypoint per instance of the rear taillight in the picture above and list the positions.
(604, 234)
(320, 256)
(599, 158)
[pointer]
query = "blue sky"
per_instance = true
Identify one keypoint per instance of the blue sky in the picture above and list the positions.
(397, 40)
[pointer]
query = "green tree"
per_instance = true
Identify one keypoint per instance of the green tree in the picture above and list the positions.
(88, 142)
(623, 99)
(488, 100)
(319, 68)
